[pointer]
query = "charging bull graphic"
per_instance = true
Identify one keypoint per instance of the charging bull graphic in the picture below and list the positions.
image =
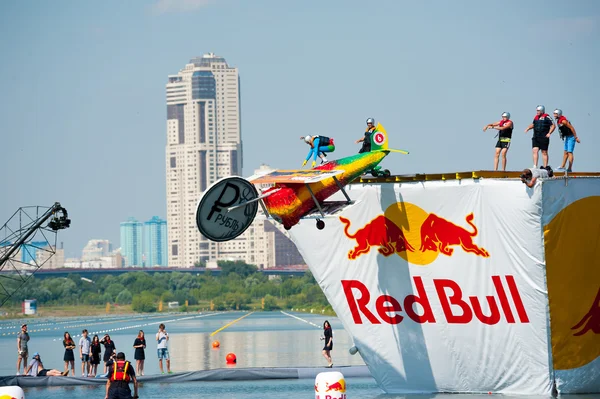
(381, 232)
(591, 319)
(438, 233)
(435, 234)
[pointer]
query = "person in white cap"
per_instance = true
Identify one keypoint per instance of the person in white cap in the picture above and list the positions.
(319, 145)
(505, 129)
(569, 135)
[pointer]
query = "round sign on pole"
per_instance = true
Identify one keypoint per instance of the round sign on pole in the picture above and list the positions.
(213, 218)
(379, 138)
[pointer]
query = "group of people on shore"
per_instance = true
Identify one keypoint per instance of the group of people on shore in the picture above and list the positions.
(90, 354)
(543, 127)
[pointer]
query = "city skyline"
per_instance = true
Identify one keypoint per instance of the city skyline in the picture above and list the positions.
(89, 106)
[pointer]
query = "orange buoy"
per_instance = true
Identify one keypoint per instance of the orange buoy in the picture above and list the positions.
(216, 344)
(230, 358)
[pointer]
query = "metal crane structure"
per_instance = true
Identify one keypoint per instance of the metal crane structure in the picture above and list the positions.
(27, 242)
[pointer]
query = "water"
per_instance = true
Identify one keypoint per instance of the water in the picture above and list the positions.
(261, 339)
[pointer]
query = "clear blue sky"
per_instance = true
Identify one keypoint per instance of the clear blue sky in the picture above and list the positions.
(82, 110)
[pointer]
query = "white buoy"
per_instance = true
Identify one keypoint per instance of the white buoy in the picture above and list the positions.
(12, 392)
(330, 385)
(353, 350)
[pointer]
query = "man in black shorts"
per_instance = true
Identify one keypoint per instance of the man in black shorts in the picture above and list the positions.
(542, 126)
(505, 129)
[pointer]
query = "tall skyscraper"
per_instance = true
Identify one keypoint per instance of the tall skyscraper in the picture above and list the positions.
(155, 242)
(131, 242)
(203, 145)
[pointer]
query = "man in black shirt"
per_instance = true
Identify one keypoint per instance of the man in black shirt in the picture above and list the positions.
(543, 127)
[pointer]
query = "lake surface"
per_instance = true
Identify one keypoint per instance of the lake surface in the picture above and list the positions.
(260, 339)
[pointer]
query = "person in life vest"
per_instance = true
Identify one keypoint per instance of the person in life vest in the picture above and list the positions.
(543, 127)
(120, 374)
(366, 140)
(505, 129)
(569, 135)
(319, 145)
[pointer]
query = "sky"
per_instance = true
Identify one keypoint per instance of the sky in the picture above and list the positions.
(83, 105)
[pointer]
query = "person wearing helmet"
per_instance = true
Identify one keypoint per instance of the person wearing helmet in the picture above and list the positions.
(505, 129)
(569, 135)
(366, 140)
(543, 127)
(319, 145)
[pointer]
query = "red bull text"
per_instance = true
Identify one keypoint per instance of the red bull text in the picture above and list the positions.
(449, 293)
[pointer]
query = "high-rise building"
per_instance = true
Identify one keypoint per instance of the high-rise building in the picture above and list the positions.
(155, 242)
(131, 242)
(203, 144)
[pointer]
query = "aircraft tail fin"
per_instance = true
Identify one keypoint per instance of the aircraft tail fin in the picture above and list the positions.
(379, 139)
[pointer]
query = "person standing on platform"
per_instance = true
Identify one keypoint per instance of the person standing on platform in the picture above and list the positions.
(505, 129)
(22, 349)
(96, 351)
(328, 342)
(569, 135)
(140, 344)
(543, 127)
(85, 347)
(109, 350)
(162, 338)
(69, 357)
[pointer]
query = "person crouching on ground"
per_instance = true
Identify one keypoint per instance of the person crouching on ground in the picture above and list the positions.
(120, 374)
(36, 368)
(530, 176)
(319, 145)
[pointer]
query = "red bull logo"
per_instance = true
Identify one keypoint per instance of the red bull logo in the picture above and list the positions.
(331, 390)
(591, 320)
(437, 234)
(405, 226)
(381, 232)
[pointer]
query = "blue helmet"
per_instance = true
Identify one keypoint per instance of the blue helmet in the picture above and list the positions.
(371, 121)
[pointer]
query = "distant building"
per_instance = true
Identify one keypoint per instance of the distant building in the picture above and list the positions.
(132, 242)
(46, 260)
(29, 251)
(95, 249)
(155, 242)
(203, 144)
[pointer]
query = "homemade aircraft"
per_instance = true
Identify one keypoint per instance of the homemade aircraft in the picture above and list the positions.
(230, 204)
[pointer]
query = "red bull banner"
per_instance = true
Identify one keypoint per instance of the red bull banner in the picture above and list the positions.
(458, 286)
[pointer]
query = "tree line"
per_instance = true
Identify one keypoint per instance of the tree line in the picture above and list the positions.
(239, 286)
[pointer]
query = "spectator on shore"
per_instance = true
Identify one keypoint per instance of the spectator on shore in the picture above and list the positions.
(22, 350)
(69, 357)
